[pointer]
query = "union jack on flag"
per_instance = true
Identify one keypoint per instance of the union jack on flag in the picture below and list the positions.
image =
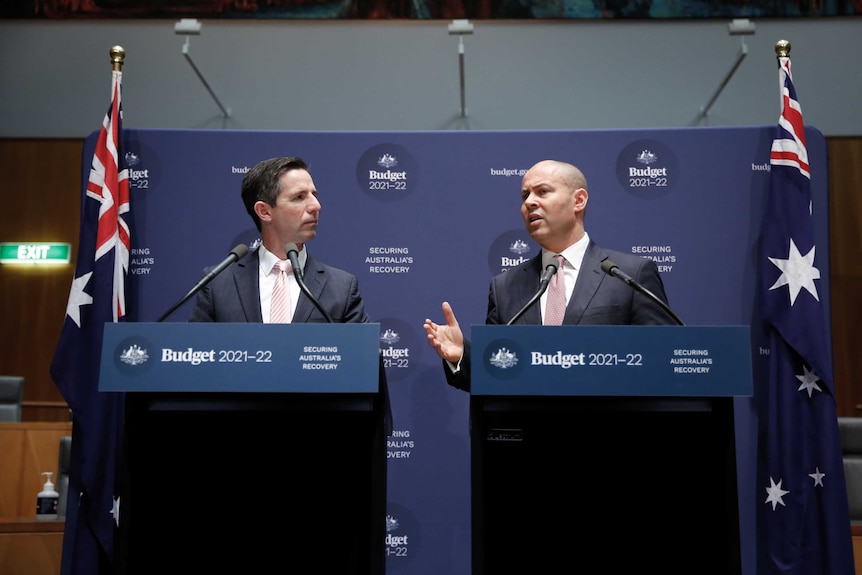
(97, 297)
(802, 509)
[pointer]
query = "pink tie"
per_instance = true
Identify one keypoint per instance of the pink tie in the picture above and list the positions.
(280, 312)
(555, 307)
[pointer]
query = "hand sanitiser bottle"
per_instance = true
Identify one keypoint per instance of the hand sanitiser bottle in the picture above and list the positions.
(47, 500)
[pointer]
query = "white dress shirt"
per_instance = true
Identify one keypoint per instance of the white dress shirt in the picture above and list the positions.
(574, 256)
(267, 280)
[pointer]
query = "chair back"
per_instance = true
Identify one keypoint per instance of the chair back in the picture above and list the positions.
(63, 474)
(11, 395)
(850, 430)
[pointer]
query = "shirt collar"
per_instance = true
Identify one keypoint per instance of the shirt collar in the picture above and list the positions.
(268, 259)
(574, 254)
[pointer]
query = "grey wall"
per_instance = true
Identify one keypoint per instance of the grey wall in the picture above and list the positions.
(404, 75)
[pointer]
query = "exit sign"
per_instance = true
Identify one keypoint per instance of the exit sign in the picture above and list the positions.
(34, 253)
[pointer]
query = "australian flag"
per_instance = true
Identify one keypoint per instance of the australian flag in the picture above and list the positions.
(802, 509)
(97, 297)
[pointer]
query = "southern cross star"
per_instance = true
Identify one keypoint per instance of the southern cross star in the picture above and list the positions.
(817, 476)
(776, 494)
(809, 381)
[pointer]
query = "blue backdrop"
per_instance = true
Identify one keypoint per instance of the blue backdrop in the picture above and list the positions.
(422, 217)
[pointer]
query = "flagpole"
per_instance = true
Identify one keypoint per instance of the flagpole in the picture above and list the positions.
(782, 50)
(118, 56)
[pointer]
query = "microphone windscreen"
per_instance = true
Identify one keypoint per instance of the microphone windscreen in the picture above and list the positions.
(240, 251)
(607, 266)
(291, 247)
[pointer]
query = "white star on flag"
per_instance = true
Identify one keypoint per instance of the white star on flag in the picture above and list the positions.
(817, 476)
(809, 381)
(78, 297)
(797, 272)
(776, 494)
(115, 510)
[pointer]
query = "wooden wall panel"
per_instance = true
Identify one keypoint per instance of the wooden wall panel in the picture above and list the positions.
(845, 251)
(41, 202)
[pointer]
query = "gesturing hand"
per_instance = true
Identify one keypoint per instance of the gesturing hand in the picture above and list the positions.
(446, 339)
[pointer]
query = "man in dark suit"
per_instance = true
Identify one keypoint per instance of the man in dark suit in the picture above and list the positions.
(280, 196)
(282, 200)
(554, 200)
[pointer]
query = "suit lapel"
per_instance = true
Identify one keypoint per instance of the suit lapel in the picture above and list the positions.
(314, 278)
(247, 281)
(525, 285)
(590, 278)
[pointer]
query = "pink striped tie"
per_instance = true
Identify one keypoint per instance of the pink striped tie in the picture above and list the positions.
(280, 312)
(555, 307)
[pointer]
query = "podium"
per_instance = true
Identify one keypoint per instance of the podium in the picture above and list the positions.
(250, 448)
(606, 449)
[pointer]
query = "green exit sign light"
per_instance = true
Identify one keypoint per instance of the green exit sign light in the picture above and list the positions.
(34, 253)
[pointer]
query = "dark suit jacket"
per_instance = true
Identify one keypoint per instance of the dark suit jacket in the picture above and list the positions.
(598, 299)
(234, 295)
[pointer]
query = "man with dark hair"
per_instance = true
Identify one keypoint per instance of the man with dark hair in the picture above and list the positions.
(280, 196)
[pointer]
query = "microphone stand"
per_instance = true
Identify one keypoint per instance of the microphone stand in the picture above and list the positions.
(235, 255)
(293, 255)
(613, 270)
(638, 287)
(550, 270)
(298, 275)
(183, 300)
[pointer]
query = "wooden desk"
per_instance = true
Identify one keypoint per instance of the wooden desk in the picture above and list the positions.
(856, 531)
(29, 546)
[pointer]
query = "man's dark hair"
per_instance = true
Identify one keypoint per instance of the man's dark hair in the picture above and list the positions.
(261, 182)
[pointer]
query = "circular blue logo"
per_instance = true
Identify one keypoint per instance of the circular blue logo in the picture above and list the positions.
(132, 356)
(399, 347)
(511, 249)
(403, 539)
(504, 359)
(387, 173)
(647, 169)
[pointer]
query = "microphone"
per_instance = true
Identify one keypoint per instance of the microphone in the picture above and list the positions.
(293, 255)
(550, 270)
(236, 254)
(613, 270)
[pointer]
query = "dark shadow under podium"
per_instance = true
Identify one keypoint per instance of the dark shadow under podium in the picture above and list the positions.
(257, 483)
(604, 485)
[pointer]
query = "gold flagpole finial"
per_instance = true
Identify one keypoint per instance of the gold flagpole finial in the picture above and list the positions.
(782, 49)
(118, 55)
